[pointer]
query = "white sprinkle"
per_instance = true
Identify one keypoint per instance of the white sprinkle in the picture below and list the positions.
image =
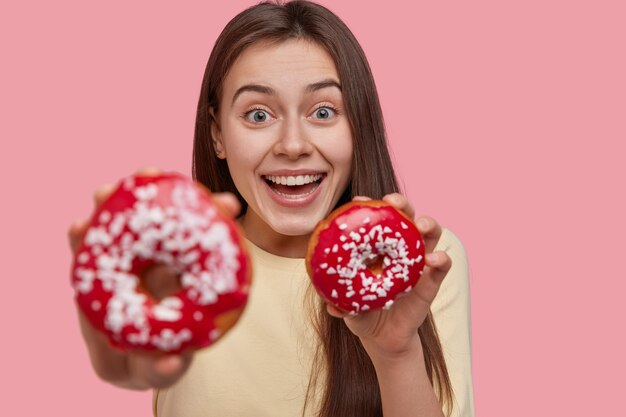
(417, 246)
(419, 259)
(343, 238)
(334, 294)
(189, 257)
(388, 305)
(324, 265)
(198, 316)
(387, 229)
(343, 226)
(95, 305)
(147, 192)
(105, 216)
(165, 313)
(339, 259)
(83, 258)
(362, 230)
(335, 248)
(366, 220)
(327, 251)
(107, 262)
(350, 294)
(365, 307)
(98, 235)
(369, 297)
(348, 246)
(214, 334)
(331, 271)
(404, 225)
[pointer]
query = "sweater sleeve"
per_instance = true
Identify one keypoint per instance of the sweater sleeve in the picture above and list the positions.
(451, 313)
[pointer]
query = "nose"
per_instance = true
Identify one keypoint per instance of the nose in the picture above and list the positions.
(293, 141)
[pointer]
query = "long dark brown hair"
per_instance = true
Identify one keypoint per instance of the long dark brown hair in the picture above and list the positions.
(351, 387)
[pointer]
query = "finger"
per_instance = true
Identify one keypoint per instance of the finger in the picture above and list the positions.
(134, 370)
(76, 232)
(108, 363)
(102, 193)
(335, 312)
(173, 365)
(149, 171)
(360, 198)
(437, 266)
(158, 371)
(430, 231)
(401, 203)
(228, 203)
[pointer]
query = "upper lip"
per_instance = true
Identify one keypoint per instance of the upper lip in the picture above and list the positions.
(292, 172)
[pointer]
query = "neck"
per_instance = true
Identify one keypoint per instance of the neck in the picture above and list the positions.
(263, 236)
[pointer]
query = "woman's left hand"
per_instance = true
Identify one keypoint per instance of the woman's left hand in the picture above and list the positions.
(393, 333)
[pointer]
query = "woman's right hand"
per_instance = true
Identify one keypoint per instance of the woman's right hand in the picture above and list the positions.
(132, 370)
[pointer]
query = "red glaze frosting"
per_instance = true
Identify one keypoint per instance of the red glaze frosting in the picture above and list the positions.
(154, 220)
(364, 255)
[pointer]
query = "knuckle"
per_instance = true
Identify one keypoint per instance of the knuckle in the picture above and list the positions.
(105, 372)
(149, 170)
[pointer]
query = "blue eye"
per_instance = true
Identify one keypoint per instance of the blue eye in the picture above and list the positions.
(324, 113)
(258, 116)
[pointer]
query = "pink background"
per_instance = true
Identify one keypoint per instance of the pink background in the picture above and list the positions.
(506, 119)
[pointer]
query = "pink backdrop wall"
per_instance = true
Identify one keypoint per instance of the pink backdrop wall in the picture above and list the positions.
(507, 121)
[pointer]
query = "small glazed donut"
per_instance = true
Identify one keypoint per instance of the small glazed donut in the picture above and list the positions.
(364, 255)
(161, 220)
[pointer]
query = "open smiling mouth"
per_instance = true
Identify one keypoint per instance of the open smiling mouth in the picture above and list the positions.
(294, 187)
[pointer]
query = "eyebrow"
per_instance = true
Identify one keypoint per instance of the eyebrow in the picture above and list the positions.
(258, 88)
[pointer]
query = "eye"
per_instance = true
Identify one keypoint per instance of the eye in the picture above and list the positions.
(324, 113)
(257, 116)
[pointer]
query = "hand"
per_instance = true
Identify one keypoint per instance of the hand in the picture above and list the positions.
(393, 333)
(133, 370)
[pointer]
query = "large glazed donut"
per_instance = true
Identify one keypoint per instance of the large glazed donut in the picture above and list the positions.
(364, 255)
(168, 220)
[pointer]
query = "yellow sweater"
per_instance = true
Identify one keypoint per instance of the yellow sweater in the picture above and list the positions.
(261, 367)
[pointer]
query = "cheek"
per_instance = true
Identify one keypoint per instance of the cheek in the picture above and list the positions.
(242, 148)
(339, 152)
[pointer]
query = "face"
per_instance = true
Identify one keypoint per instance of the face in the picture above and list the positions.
(285, 136)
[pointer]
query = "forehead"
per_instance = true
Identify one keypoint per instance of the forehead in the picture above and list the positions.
(290, 63)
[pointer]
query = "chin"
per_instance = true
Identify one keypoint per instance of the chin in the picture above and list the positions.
(294, 228)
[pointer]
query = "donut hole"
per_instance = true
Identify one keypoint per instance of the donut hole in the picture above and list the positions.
(375, 264)
(161, 281)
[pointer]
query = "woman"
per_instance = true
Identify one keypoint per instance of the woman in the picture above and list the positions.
(287, 92)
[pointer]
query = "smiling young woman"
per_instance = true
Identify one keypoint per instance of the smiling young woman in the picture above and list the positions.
(272, 70)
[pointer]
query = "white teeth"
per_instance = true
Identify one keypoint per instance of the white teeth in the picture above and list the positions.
(294, 180)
